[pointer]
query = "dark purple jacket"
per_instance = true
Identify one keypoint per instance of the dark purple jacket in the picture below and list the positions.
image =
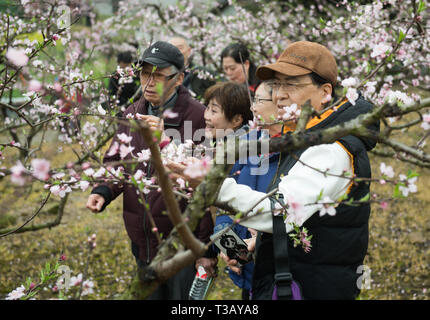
(135, 217)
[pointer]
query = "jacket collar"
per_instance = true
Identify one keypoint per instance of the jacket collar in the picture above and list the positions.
(317, 120)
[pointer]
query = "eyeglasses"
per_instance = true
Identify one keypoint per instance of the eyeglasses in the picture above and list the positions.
(158, 77)
(257, 100)
(286, 85)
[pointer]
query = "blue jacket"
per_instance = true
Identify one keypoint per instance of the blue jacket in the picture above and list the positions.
(257, 173)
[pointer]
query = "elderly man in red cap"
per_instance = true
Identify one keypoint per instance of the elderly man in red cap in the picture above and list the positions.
(331, 267)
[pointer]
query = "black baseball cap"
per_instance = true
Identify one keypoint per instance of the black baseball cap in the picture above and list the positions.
(162, 54)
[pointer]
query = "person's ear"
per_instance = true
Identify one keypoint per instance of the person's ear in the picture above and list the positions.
(237, 121)
(246, 64)
(326, 89)
(179, 79)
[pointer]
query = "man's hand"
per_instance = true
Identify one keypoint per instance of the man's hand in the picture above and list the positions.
(210, 265)
(231, 263)
(153, 122)
(95, 202)
(251, 241)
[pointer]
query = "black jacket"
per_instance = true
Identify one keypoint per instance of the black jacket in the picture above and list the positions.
(339, 243)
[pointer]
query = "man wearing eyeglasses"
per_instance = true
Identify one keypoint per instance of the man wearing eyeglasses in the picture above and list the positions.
(306, 72)
(161, 76)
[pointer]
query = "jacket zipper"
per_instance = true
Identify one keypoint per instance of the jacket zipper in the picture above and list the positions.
(144, 222)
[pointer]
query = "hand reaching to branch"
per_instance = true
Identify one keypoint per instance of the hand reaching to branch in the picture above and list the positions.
(155, 124)
(177, 171)
(95, 202)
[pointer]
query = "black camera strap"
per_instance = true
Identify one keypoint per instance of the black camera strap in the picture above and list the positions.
(283, 276)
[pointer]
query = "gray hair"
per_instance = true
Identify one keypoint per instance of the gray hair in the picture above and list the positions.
(174, 69)
(267, 87)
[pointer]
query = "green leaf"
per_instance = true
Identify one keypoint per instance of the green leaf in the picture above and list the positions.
(390, 58)
(159, 88)
(133, 180)
(401, 36)
(320, 196)
(397, 193)
(28, 283)
(411, 174)
(175, 245)
(421, 6)
(157, 134)
(365, 198)
(342, 197)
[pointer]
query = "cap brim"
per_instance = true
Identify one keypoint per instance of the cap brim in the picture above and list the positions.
(267, 72)
(156, 62)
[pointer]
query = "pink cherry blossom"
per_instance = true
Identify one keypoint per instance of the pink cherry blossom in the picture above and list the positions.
(410, 185)
(253, 123)
(34, 86)
(384, 205)
(58, 87)
(144, 155)
(169, 114)
(125, 150)
(87, 287)
(294, 212)
(83, 184)
(76, 281)
(326, 207)
(113, 150)
(16, 294)
(89, 172)
(426, 122)
(17, 57)
(291, 112)
(352, 95)
(386, 170)
(139, 175)
(380, 50)
(60, 191)
(198, 168)
(41, 168)
(86, 165)
(55, 37)
(124, 138)
(101, 110)
(181, 183)
(18, 172)
(349, 82)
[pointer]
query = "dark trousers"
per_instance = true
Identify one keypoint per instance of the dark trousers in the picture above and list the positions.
(175, 288)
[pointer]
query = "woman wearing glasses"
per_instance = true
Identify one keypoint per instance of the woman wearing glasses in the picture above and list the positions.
(256, 173)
